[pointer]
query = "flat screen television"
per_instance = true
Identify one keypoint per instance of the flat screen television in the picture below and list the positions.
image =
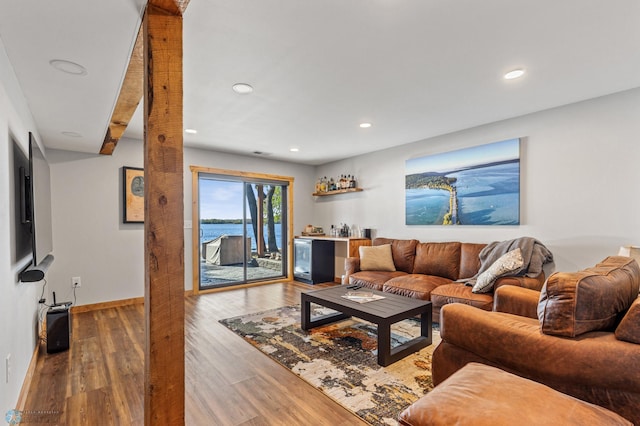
(32, 207)
(22, 235)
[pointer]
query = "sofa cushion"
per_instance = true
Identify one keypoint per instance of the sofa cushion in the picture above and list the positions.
(418, 286)
(577, 302)
(470, 259)
(629, 328)
(460, 293)
(376, 258)
(439, 259)
(403, 251)
(479, 394)
(524, 282)
(507, 263)
(373, 279)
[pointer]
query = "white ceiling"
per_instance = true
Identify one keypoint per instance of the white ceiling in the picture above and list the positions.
(413, 68)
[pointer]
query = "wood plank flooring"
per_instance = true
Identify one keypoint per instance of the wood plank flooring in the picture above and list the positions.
(99, 380)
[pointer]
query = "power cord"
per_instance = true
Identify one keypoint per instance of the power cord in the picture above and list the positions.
(41, 320)
(42, 299)
(42, 335)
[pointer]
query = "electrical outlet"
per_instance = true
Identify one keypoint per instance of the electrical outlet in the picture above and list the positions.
(76, 282)
(7, 366)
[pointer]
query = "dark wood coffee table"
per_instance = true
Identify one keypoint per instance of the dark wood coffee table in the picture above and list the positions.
(384, 312)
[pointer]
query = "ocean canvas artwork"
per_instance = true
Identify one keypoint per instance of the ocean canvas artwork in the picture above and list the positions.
(473, 186)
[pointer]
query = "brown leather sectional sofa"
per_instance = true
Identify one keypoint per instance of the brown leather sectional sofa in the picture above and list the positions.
(429, 271)
(579, 336)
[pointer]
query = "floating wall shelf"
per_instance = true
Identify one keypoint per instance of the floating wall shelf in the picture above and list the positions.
(337, 191)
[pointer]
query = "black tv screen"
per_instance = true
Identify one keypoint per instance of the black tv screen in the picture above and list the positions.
(40, 179)
(21, 231)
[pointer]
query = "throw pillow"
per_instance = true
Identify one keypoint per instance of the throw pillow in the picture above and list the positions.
(629, 328)
(439, 259)
(509, 262)
(376, 258)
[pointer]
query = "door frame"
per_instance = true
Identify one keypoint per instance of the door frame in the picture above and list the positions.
(195, 217)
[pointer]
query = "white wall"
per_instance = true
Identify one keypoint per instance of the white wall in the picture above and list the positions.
(579, 177)
(18, 301)
(90, 240)
(578, 170)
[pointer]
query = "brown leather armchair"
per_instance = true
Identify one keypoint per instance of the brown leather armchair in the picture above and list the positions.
(580, 335)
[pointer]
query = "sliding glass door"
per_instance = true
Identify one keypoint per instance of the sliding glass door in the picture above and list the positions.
(242, 227)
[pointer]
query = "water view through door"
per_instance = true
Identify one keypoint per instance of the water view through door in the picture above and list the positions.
(242, 229)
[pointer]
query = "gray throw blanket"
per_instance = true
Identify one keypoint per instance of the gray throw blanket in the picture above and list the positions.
(534, 255)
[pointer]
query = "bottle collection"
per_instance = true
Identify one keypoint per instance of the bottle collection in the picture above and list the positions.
(345, 230)
(327, 185)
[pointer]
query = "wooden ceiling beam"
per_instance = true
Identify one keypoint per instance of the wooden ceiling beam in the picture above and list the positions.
(172, 7)
(132, 90)
(128, 99)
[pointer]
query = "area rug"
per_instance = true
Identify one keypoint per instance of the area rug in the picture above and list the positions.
(341, 359)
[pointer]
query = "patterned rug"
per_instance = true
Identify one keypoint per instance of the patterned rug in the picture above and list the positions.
(340, 359)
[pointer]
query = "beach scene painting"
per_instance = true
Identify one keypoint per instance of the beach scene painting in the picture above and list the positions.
(473, 186)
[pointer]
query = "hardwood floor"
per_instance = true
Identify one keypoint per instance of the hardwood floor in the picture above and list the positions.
(99, 380)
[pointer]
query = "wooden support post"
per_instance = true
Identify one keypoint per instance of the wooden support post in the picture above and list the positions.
(164, 219)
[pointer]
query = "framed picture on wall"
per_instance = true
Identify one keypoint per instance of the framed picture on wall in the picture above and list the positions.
(473, 186)
(133, 195)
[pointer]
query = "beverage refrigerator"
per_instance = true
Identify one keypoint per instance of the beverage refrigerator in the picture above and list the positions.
(313, 260)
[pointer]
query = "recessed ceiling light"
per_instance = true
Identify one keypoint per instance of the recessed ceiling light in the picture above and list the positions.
(72, 134)
(242, 88)
(191, 131)
(294, 149)
(68, 67)
(514, 74)
(365, 125)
